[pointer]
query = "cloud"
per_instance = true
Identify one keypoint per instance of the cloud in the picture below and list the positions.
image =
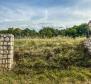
(8, 14)
(59, 13)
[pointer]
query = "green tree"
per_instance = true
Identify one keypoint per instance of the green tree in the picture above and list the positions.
(29, 33)
(10, 30)
(26, 32)
(82, 30)
(17, 33)
(48, 32)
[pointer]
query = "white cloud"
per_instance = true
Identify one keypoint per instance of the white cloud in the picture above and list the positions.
(26, 15)
(19, 14)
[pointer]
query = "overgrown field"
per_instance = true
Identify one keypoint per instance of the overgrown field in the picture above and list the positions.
(59, 60)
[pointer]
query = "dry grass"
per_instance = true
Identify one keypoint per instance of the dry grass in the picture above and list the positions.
(37, 67)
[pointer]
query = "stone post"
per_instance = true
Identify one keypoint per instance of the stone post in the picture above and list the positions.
(6, 51)
(89, 30)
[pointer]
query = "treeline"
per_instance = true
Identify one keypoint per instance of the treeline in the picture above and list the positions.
(75, 31)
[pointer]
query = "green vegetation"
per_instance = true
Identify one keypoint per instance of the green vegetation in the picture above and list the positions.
(72, 76)
(59, 60)
(75, 31)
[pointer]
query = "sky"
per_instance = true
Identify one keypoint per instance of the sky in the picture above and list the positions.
(38, 13)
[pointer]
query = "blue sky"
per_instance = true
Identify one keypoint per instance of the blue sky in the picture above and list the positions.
(35, 13)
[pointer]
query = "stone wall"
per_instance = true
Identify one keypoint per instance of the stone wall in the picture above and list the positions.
(6, 51)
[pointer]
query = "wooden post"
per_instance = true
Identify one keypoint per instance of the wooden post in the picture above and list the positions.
(6, 51)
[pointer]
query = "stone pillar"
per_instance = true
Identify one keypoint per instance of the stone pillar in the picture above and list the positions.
(89, 29)
(6, 51)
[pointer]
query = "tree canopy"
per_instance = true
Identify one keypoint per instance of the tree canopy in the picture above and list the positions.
(75, 31)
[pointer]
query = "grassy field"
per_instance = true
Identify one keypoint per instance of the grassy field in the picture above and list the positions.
(59, 60)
